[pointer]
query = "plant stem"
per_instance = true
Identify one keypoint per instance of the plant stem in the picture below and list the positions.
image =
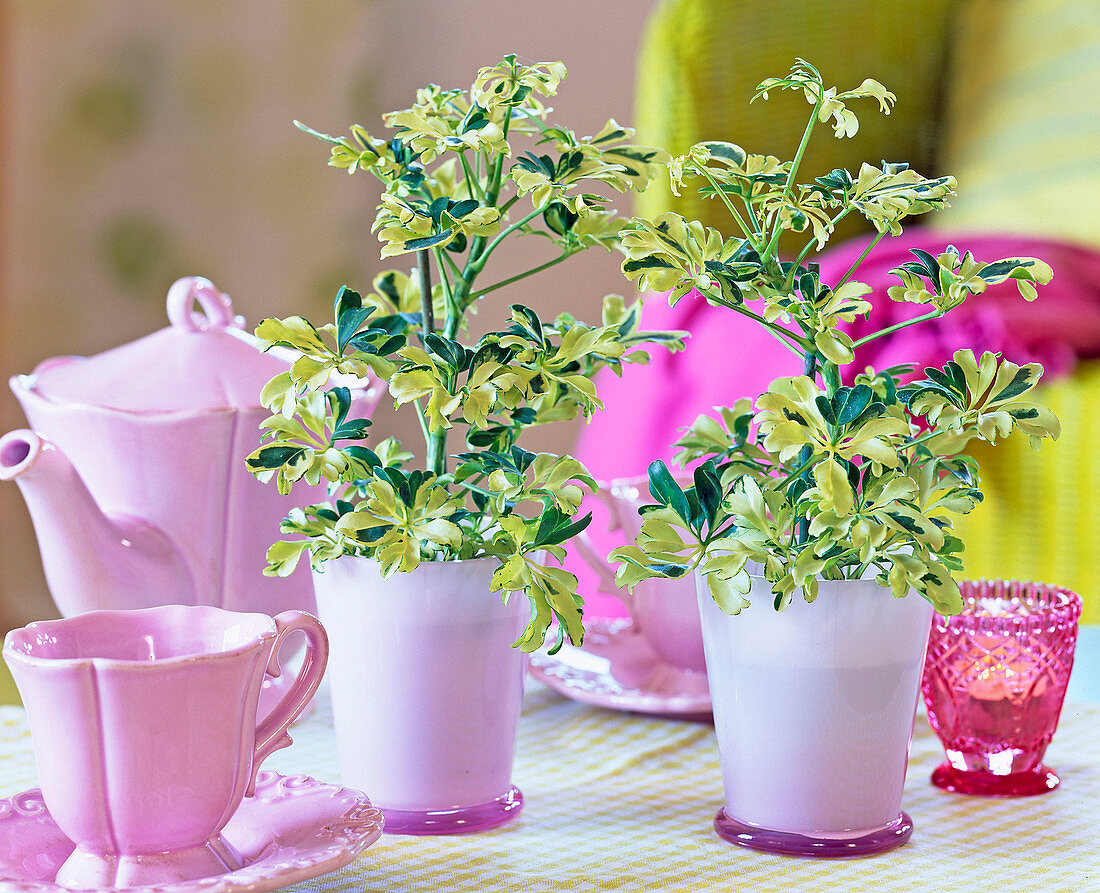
(445, 265)
(792, 173)
(788, 339)
(806, 454)
(859, 260)
(802, 148)
(472, 181)
(423, 265)
(749, 232)
(436, 459)
(788, 283)
(518, 276)
(500, 237)
(898, 326)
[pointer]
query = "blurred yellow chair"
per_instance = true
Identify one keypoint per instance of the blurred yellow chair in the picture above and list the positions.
(1000, 93)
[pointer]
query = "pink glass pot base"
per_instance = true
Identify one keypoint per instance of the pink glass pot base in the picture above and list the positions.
(462, 820)
(788, 843)
(1039, 780)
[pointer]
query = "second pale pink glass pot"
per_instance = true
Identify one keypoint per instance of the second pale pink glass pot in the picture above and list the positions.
(426, 690)
(813, 710)
(994, 683)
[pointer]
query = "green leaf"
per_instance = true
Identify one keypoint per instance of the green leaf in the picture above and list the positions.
(708, 489)
(1021, 382)
(851, 402)
(429, 241)
(666, 491)
(275, 456)
(452, 353)
(555, 527)
(462, 208)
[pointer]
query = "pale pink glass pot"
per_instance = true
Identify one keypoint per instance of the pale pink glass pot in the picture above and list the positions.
(145, 731)
(426, 690)
(994, 683)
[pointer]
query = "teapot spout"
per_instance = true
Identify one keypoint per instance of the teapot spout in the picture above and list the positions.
(92, 559)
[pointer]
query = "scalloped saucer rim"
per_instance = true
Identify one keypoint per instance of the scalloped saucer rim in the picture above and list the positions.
(294, 829)
(645, 683)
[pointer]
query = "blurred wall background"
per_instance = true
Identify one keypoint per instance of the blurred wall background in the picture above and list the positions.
(144, 140)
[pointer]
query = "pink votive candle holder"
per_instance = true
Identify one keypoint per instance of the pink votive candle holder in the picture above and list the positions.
(994, 680)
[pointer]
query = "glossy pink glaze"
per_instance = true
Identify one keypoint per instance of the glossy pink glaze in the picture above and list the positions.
(134, 474)
(426, 691)
(814, 708)
(144, 727)
(665, 612)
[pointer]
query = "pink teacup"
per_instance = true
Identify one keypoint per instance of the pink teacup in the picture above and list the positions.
(145, 731)
(664, 612)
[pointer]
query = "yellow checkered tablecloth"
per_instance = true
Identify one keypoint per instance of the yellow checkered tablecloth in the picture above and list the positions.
(621, 802)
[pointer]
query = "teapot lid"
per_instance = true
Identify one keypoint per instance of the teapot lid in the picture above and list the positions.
(202, 361)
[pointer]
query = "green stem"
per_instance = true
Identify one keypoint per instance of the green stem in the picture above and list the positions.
(788, 187)
(791, 475)
(802, 148)
(897, 327)
(557, 260)
(500, 237)
(423, 422)
(859, 260)
(806, 454)
(788, 283)
(787, 338)
(446, 265)
(749, 232)
(472, 181)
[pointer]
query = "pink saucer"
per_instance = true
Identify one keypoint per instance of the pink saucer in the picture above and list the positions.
(293, 829)
(618, 669)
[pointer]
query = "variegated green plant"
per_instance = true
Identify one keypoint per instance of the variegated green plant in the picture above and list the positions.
(819, 480)
(456, 185)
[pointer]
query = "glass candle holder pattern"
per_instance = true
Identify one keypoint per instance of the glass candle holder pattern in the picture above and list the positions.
(994, 681)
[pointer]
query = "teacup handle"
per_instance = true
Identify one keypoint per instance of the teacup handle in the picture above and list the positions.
(271, 735)
(603, 570)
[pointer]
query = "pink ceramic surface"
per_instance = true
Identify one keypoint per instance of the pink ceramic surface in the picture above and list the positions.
(664, 611)
(994, 683)
(618, 668)
(134, 474)
(292, 829)
(813, 710)
(145, 733)
(426, 691)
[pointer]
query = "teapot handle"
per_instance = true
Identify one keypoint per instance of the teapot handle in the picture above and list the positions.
(217, 309)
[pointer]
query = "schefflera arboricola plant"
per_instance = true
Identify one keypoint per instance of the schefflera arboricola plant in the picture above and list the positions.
(820, 479)
(456, 185)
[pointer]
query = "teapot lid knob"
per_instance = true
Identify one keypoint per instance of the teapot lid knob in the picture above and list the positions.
(217, 309)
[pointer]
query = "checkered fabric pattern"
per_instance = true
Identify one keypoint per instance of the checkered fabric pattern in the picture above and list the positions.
(621, 802)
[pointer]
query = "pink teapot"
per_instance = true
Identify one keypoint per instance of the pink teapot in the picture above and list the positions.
(134, 471)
